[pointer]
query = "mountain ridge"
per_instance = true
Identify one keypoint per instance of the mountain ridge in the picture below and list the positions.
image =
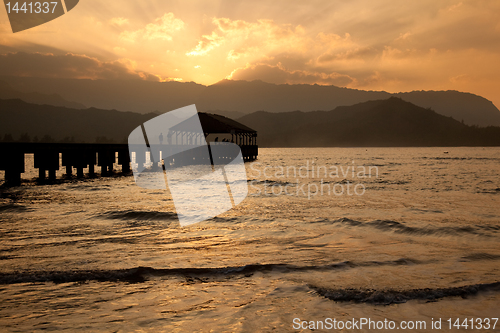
(7, 92)
(380, 123)
(247, 96)
(60, 123)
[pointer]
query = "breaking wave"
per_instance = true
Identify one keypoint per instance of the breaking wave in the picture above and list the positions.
(387, 297)
(399, 227)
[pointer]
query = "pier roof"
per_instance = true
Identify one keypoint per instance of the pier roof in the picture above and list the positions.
(213, 123)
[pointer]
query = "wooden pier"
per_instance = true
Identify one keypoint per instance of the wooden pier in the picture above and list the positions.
(50, 157)
(182, 148)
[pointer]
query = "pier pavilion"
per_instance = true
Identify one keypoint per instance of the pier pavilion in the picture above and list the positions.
(213, 124)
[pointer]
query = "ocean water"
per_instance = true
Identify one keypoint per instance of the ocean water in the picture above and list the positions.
(398, 234)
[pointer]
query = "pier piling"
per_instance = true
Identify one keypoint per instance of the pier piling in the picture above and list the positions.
(49, 157)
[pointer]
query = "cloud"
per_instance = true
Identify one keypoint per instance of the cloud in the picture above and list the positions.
(206, 44)
(162, 28)
(119, 21)
(454, 7)
(68, 66)
(350, 54)
(426, 44)
(280, 53)
(393, 53)
(461, 79)
(273, 52)
(245, 39)
(404, 36)
(278, 75)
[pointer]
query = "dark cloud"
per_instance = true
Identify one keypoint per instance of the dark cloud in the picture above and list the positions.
(29, 47)
(67, 66)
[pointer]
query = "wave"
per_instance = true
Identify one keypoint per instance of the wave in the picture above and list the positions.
(392, 182)
(14, 208)
(490, 191)
(202, 275)
(137, 274)
(460, 158)
(142, 274)
(480, 256)
(140, 215)
(398, 227)
(387, 297)
(270, 182)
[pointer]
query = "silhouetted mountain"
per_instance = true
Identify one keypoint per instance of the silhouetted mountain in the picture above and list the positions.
(257, 95)
(261, 96)
(6, 92)
(472, 109)
(60, 123)
(391, 122)
(133, 95)
(246, 97)
(230, 114)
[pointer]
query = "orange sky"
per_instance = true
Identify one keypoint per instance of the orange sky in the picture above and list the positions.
(364, 44)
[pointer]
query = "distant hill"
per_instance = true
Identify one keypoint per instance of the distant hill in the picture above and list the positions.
(382, 123)
(472, 109)
(19, 117)
(390, 122)
(133, 95)
(230, 114)
(247, 97)
(7, 92)
(254, 96)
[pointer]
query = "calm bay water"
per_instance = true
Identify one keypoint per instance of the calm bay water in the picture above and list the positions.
(414, 237)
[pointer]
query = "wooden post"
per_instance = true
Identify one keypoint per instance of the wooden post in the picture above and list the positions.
(79, 172)
(91, 161)
(13, 166)
(92, 170)
(124, 160)
(12, 177)
(52, 174)
(105, 160)
(111, 161)
(68, 160)
(46, 159)
(80, 161)
(140, 158)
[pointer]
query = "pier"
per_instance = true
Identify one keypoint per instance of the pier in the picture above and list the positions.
(51, 157)
(181, 147)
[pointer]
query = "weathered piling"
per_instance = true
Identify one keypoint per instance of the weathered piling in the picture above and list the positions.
(13, 164)
(49, 157)
(105, 159)
(124, 160)
(46, 159)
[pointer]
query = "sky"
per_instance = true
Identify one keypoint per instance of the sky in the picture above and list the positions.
(363, 44)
